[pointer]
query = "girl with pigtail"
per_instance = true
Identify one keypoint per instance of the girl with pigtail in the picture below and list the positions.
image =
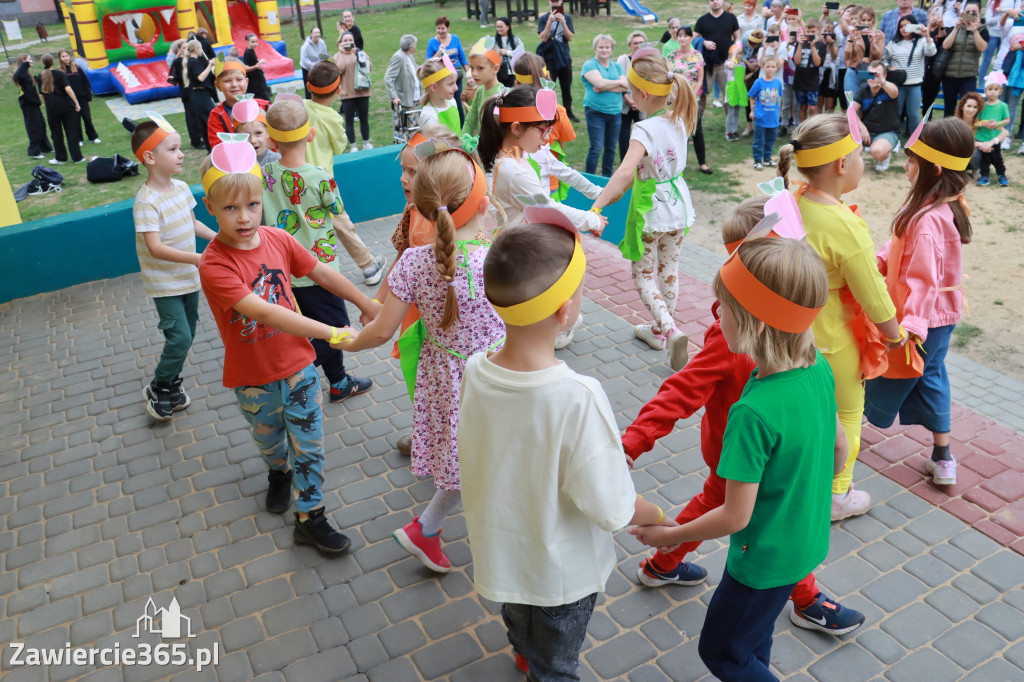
(660, 211)
(827, 151)
(444, 280)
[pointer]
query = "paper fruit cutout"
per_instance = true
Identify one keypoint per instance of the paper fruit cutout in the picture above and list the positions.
(447, 61)
(547, 104)
(550, 215)
(482, 46)
(161, 122)
(851, 118)
(235, 154)
(245, 110)
(427, 149)
(917, 131)
(645, 52)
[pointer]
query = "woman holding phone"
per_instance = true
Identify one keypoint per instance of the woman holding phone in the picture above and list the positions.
(863, 46)
(966, 40)
(908, 51)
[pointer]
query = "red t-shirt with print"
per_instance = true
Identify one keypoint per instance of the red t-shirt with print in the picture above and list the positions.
(255, 354)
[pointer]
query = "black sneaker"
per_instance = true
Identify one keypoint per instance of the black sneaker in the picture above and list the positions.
(158, 400)
(279, 491)
(180, 399)
(783, 131)
(348, 387)
(317, 531)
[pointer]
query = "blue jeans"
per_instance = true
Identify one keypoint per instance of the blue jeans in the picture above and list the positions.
(1013, 104)
(986, 58)
(736, 640)
(910, 98)
(603, 130)
(764, 143)
(287, 427)
(549, 637)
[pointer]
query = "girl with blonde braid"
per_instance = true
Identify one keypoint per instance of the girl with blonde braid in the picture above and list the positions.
(660, 211)
(444, 280)
(827, 151)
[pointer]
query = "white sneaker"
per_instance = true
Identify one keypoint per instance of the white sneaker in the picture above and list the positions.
(80, 143)
(717, 104)
(97, 141)
(883, 166)
(678, 353)
(645, 332)
(944, 472)
(1020, 150)
(853, 503)
(565, 338)
(1005, 144)
(353, 148)
(375, 272)
(367, 145)
(55, 162)
(897, 148)
(758, 166)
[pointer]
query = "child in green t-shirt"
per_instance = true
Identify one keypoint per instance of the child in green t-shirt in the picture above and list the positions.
(777, 460)
(990, 131)
(486, 63)
(302, 199)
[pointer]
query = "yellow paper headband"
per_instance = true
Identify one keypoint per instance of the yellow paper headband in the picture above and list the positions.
(436, 77)
(544, 304)
(215, 174)
(651, 88)
(819, 156)
(288, 135)
(947, 161)
(525, 80)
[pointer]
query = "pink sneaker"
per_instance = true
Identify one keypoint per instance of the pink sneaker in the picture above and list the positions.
(425, 548)
(853, 503)
(943, 472)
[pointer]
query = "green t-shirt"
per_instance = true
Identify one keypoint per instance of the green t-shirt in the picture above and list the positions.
(301, 201)
(992, 112)
(472, 124)
(781, 434)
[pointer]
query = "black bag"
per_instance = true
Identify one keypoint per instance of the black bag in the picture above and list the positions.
(44, 180)
(110, 169)
(940, 63)
(896, 76)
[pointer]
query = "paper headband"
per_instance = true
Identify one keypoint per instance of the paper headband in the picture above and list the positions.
(544, 304)
(416, 139)
(641, 83)
(288, 135)
(324, 89)
(526, 79)
(223, 65)
(545, 109)
(477, 194)
(163, 129)
(247, 110)
(447, 69)
(819, 156)
(233, 155)
(485, 48)
(947, 161)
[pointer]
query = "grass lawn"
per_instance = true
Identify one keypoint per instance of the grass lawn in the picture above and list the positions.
(381, 32)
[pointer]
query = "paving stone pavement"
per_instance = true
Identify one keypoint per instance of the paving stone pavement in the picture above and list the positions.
(100, 510)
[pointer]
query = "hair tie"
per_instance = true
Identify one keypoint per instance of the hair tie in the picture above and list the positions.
(442, 208)
(796, 145)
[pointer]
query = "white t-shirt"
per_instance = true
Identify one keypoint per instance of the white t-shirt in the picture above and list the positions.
(544, 483)
(665, 142)
(511, 179)
(169, 214)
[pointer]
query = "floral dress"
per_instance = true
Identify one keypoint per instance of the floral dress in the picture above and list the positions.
(415, 279)
(690, 66)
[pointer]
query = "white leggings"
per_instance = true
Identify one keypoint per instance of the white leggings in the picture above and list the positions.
(656, 276)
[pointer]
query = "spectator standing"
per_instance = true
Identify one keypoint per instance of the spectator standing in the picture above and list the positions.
(449, 42)
(908, 51)
(31, 109)
(61, 112)
(347, 23)
(254, 69)
(751, 19)
(400, 81)
(690, 63)
(203, 36)
(604, 82)
(994, 12)
(83, 93)
(863, 46)
(202, 91)
(967, 39)
(630, 114)
(507, 45)
(355, 67)
(556, 32)
(932, 83)
(313, 50)
(904, 8)
(720, 30)
(668, 38)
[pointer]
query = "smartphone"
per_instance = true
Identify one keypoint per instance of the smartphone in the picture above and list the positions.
(831, 6)
(559, 9)
(828, 35)
(771, 39)
(862, 27)
(792, 11)
(915, 28)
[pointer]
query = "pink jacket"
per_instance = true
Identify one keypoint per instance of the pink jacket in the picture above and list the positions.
(927, 285)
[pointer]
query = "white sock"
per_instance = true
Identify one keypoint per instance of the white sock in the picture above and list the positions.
(440, 506)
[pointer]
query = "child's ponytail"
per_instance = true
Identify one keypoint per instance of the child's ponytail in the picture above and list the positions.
(686, 106)
(816, 131)
(444, 255)
(785, 161)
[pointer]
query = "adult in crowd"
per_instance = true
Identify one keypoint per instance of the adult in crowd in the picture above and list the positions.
(768, 9)
(484, 9)
(932, 83)
(556, 31)
(773, 15)
(347, 23)
(966, 40)
(669, 44)
(630, 114)
(254, 69)
(908, 51)
(890, 20)
(313, 50)
(875, 104)
(176, 76)
(720, 30)
(445, 40)
(995, 10)
(751, 19)
(31, 108)
(690, 63)
(203, 36)
(355, 66)
(83, 93)
(604, 81)
(507, 46)
(863, 46)
(61, 112)
(400, 81)
(202, 88)
(173, 52)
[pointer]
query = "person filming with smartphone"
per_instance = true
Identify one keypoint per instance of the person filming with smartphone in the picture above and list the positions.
(966, 41)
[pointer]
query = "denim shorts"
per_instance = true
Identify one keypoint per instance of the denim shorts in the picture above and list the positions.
(549, 637)
(806, 97)
(892, 138)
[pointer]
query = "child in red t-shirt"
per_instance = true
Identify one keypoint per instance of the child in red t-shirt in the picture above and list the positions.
(268, 360)
(714, 379)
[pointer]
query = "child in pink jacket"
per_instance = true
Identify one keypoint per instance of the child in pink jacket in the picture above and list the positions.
(922, 268)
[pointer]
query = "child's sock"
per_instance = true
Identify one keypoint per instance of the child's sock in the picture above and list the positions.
(940, 453)
(440, 506)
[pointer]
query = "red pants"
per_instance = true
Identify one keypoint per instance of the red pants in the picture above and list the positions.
(712, 497)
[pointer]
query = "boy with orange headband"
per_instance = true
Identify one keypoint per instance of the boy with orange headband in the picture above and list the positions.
(324, 85)
(268, 360)
(770, 290)
(485, 62)
(561, 482)
(303, 200)
(165, 241)
(232, 81)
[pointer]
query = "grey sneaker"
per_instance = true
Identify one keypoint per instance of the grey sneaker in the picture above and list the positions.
(375, 272)
(367, 145)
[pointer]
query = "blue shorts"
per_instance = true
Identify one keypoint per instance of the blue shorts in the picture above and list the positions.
(923, 400)
(808, 98)
(893, 139)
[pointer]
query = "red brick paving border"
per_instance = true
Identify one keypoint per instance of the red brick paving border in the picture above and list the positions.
(989, 494)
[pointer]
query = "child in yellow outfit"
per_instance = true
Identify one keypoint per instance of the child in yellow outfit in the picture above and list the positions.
(827, 151)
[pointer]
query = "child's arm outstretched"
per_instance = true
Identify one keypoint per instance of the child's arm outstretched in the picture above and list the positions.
(731, 517)
(283, 319)
(380, 330)
(574, 179)
(334, 282)
(201, 230)
(622, 178)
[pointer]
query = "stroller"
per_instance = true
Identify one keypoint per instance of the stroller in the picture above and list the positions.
(405, 122)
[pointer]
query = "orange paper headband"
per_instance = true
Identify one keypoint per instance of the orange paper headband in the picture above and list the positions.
(757, 299)
(229, 66)
(416, 139)
(545, 109)
(471, 205)
(151, 143)
(325, 89)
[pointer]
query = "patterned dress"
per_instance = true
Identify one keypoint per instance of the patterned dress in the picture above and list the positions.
(414, 279)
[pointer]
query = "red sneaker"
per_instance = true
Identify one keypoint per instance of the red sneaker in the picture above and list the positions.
(521, 663)
(425, 548)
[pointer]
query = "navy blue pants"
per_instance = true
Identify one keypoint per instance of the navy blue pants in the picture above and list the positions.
(736, 641)
(318, 304)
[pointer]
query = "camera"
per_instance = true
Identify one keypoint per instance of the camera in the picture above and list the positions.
(915, 28)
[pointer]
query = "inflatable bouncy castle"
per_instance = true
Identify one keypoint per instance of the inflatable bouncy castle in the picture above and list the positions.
(125, 42)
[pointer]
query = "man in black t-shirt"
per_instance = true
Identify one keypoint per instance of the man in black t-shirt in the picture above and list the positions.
(720, 30)
(806, 52)
(876, 105)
